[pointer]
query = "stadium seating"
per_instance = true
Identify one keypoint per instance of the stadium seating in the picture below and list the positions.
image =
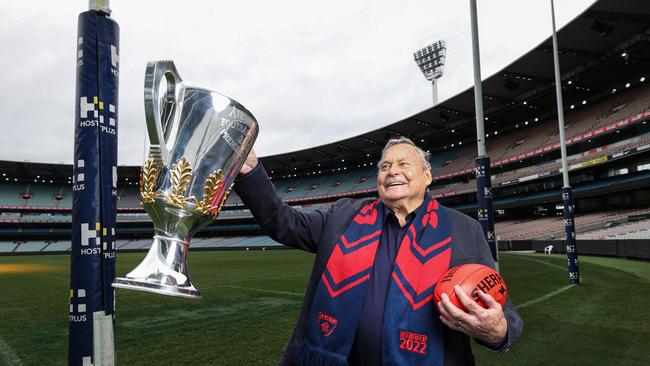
(125, 245)
(31, 246)
(7, 246)
(44, 201)
(368, 179)
(534, 135)
(349, 182)
(544, 168)
(128, 197)
(133, 244)
(553, 227)
(58, 246)
(9, 217)
(629, 230)
(35, 195)
(207, 242)
(10, 194)
(537, 134)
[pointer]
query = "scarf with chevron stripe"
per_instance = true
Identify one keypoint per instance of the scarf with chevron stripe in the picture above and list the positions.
(412, 332)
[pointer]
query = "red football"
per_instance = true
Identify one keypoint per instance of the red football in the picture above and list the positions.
(471, 278)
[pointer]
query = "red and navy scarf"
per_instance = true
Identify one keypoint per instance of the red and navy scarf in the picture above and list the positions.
(412, 332)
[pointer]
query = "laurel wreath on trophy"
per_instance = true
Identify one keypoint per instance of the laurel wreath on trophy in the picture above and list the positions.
(181, 174)
(213, 185)
(148, 179)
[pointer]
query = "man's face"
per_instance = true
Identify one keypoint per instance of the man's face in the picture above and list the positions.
(402, 175)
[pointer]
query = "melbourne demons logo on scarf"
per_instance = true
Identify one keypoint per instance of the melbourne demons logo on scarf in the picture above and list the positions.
(424, 255)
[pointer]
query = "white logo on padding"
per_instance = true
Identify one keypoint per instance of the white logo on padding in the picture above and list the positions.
(111, 118)
(80, 301)
(80, 53)
(85, 107)
(78, 177)
(115, 58)
(87, 234)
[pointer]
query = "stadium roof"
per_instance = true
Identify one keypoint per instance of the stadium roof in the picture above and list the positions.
(601, 49)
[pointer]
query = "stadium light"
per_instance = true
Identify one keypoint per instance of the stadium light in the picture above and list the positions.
(431, 61)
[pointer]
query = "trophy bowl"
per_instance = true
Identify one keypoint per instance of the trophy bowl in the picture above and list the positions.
(199, 140)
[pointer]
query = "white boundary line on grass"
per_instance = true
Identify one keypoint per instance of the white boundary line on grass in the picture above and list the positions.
(8, 354)
(544, 297)
(523, 256)
(264, 290)
(550, 294)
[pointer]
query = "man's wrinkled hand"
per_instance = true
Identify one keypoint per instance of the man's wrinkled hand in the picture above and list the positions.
(250, 163)
(488, 325)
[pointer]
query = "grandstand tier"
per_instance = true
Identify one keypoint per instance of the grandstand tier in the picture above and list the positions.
(608, 136)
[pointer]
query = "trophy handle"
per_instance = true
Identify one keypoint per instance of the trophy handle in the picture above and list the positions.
(161, 113)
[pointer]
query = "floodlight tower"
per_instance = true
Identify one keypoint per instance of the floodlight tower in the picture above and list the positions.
(431, 60)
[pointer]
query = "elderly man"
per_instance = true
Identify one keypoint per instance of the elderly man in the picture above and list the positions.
(369, 300)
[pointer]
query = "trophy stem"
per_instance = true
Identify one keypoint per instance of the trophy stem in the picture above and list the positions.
(163, 270)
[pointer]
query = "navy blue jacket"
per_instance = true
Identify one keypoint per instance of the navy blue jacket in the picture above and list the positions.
(317, 232)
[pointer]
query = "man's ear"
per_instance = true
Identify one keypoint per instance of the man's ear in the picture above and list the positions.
(427, 172)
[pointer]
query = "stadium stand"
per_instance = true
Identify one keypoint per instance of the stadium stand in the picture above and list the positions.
(251, 241)
(10, 194)
(444, 162)
(57, 246)
(553, 227)
(607, 110)
(31, 246)
(7, 247)
(547, 168)
(530, 137)
(128, 197)
(627, 230)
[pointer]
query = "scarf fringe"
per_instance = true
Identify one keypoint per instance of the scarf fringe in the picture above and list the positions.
(309, 355)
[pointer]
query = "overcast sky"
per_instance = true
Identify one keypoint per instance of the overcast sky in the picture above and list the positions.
(311, 72)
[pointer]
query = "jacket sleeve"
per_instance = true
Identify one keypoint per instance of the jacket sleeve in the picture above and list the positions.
(515, 323)
(283, 223)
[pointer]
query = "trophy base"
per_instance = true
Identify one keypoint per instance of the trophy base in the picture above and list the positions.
(133, 284)
(163, 271)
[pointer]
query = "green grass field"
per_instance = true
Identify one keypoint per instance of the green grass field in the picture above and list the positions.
(251, 301)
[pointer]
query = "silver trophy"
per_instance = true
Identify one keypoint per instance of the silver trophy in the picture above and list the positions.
(199, 140)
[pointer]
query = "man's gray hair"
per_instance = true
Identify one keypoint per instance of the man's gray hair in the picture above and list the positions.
(424, 156)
